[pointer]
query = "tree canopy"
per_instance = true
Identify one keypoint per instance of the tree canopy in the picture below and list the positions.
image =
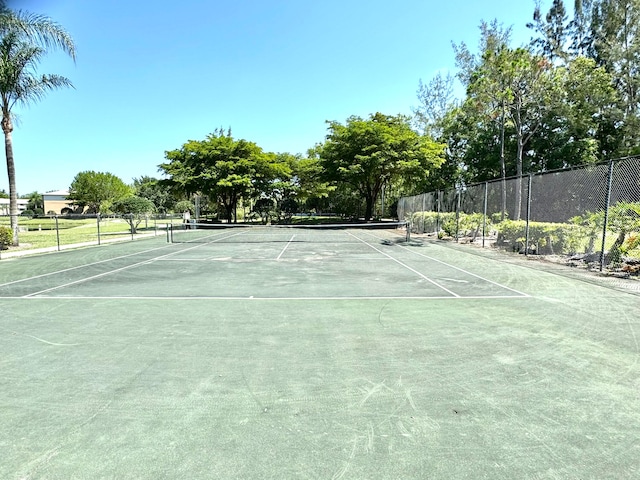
(368, 154)
(97, 192)
(223, 168)
(134, 209)
(155, 191)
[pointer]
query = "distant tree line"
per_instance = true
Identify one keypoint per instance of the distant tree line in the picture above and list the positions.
(345, 175)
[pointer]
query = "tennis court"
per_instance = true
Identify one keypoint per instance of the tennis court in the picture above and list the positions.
(339, 353)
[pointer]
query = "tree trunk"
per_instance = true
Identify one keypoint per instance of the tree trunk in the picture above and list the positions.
(229, 212)
(368, 211)
(7, 128)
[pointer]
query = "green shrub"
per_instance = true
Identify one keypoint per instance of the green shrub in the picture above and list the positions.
(425, 222)
(631, 243)
(470, 224)
(183, 205)
(590, 224)
(545, 238)
(446, 224)
(6, 237)
(433, 222)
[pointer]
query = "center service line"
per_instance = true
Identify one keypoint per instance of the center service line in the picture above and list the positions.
(406, 266)
(286, 246)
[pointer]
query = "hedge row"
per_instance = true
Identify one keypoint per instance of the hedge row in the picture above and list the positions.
(544, 238)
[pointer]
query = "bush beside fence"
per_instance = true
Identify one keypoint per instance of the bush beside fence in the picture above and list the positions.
(592, 210)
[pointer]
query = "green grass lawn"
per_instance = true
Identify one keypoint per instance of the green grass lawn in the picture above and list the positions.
(42, 233)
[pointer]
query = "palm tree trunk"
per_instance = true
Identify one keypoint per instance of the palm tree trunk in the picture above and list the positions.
(7, 128)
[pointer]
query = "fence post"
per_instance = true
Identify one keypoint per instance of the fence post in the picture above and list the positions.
(437, 213)
(458, 214)
(424, 207)
(484, 213)
(526, 228)
(57, 233)
(606, 214)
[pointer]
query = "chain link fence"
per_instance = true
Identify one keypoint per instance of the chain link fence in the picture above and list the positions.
(46, 233)
(588, 214)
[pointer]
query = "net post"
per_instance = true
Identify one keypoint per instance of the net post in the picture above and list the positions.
(407, 226)
(169, 232)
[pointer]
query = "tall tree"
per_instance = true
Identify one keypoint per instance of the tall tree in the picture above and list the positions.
(436, 101)
(24, 40)
(616, 46)
(369, 153)
(154, 190)
(579, 127)
(487, 104)
(97, 191)
(580, 30)
(493, 37)
(523, 82)
(222, 168)
(553, 31)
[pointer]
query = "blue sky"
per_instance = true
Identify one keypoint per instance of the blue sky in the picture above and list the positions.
(150, 76)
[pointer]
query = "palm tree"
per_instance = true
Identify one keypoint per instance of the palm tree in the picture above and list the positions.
(24, 39)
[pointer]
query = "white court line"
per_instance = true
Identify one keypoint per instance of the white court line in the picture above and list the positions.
(405, 265)
(75, 282)
(286, 246)
(80, 266)
(466, 272)
(284, 299)
(456, 268)
(104, 273)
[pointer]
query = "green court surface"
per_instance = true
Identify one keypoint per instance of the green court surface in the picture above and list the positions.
(354, 355)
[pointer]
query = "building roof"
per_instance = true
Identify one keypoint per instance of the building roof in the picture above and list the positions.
(63, 193)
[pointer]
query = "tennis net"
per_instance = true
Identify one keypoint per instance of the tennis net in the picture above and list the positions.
(320, 233)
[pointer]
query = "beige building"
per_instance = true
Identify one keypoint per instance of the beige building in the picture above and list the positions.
(56, 202)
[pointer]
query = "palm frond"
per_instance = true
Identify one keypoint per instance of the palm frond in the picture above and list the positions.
(38, 28)
(19, 80)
